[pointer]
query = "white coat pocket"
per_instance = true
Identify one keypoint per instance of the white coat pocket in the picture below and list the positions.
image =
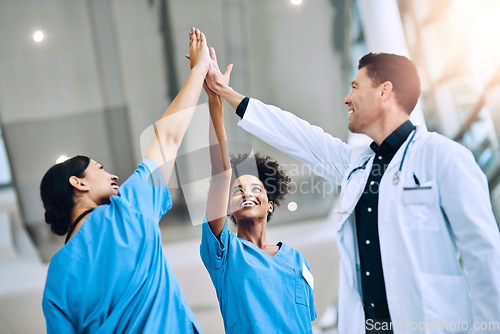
(446, 299)
(419, 207)
(418, 194)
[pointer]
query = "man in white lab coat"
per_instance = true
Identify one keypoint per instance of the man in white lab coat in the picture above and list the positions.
(419, 245)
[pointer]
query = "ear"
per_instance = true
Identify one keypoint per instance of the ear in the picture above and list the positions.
(78, 183)
(386, 90)
(271, 207)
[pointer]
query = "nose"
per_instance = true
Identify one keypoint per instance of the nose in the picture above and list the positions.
(248, 194)
(347, 99)
(114, 177)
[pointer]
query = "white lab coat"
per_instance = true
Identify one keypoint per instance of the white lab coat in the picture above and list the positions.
(423, 231)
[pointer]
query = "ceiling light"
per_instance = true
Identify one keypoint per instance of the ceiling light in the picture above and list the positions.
(292, 206)
(296, 2)
(38, 36)
(62, 158)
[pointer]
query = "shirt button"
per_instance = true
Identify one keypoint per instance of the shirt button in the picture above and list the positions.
(367, 242)
(372, 305)
(369, 209)
(380, 157)
(372, 183)
(367, 273)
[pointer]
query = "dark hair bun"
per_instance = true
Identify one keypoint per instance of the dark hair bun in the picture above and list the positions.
(57, 193)
(57, 220)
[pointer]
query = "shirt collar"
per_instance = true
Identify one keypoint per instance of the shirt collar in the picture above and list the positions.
(393, 142)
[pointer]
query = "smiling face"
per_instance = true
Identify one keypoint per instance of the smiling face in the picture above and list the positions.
(363, 103)
(101, 184)
(248, 199)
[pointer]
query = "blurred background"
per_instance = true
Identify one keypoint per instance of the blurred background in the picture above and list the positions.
(89, 77)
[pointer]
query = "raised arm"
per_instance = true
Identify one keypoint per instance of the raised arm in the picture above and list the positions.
(219, 83)
(218, 193)
(172, 125)
(324, 154)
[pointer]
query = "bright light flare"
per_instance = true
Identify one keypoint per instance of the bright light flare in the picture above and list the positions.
(292, 206)
(61, 158)
(38, 36)
(296, 2)
(484, 46)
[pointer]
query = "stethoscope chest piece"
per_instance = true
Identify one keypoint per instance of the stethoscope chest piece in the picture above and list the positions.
(396, 177)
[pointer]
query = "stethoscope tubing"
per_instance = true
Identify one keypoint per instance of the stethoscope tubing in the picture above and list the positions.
(396, 176)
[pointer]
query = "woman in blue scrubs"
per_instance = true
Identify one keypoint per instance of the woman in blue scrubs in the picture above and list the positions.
(112, 275)
(262, 287)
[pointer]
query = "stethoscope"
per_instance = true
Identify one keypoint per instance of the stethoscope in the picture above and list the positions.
(396, 178)
(397, 175)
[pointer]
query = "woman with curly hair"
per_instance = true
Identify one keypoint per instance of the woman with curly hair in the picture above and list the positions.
(262, 287)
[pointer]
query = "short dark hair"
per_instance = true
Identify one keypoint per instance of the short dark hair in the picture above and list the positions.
(400, 71)
(58, 194)
(270, 173)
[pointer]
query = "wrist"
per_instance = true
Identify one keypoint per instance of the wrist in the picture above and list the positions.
(200, 68)
(224, 90)
(231, 96)
(215, 100)
(220, 87)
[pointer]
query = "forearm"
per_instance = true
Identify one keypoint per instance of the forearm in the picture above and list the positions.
(172, 128)
(230, 95)
(326, 155)
(172, 125)
(218, 193)
(219, 155)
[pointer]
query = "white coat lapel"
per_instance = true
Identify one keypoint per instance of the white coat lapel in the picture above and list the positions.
(398, 157)
(354, 184)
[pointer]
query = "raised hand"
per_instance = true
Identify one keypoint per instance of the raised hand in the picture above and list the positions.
(198, 49)
(215, 79)
(210, 93)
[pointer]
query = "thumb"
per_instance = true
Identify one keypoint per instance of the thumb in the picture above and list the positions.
(229, 68)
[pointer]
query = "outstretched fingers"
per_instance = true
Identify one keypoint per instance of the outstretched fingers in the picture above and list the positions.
(213, 55)
(198, 35)
(198, 50)
(192, 35)
(196, 38)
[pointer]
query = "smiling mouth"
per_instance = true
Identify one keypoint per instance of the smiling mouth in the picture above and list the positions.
(351, 111)
(114, 186)
(247, 204)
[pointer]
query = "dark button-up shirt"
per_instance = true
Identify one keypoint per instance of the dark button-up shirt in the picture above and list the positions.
(372, 276)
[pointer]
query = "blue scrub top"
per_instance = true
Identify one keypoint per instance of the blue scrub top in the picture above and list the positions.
(112, 276)
(258, 293)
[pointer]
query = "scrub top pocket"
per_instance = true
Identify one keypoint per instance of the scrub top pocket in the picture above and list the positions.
(301, 288)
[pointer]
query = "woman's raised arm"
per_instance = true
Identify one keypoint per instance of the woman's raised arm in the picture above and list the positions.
(218, 193)
(172, 125)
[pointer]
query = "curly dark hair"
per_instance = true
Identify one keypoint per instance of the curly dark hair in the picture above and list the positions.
(270, 173)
